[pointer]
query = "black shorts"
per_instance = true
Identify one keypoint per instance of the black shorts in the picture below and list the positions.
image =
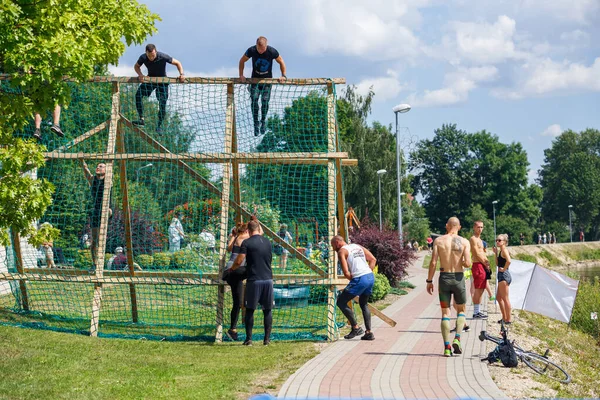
(259, 292)
(488, 274)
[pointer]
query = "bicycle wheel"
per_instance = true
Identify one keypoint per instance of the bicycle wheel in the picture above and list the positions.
(545, 367)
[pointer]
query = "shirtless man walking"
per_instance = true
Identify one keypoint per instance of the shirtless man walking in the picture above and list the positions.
(481, 264)
(455, 254)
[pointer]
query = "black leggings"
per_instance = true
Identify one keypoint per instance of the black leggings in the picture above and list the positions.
(363, 299)
(249, 322)
(262, 91)
(235, 279)
(162, 95)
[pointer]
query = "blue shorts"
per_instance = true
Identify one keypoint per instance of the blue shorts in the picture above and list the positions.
(361, 285)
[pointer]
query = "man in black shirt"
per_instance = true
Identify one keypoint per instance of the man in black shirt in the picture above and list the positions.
(256, 250)
(96, 183)
(262, 57)
(156, 63)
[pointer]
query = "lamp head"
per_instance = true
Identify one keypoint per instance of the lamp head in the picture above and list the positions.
(495, 202)
(570, 205)
(381, 172)
(402, 193)
(402, 108)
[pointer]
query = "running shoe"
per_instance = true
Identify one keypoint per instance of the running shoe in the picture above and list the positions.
(466, 328)
(139, 122)
(456, 346)
(354, 333)
(479, 315)
(447, 353)
(368, 336)
(492, 298)
(248, 342)
(37, 134)
(266, 342)
(232, 334)
(56, 129)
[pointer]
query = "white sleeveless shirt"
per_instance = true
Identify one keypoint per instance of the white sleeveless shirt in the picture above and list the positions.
(357, 261)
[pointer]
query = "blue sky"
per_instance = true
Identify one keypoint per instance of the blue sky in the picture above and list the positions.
(522, 69)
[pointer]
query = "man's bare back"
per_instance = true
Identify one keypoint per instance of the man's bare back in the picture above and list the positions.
(453, 251)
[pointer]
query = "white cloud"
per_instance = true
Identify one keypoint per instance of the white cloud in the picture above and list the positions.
(385, 87)
(457, 86)
(577, 37)
(581, 11)
(545, 76)
(553, 130)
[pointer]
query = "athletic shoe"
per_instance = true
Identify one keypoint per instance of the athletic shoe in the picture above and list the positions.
(56, 129)
(139, 122)
(263, 128)
(479, 315)
(256, 130)
(456, 346)
(466, 328)
(499, 321)
(354, 333)
(447, 353)
(492, 298)
(266, 342)
(507, 323)
(37, 134)
(368, 336)
(248, 342)
(232, 334)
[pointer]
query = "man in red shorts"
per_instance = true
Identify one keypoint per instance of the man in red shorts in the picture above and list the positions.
(480, 265)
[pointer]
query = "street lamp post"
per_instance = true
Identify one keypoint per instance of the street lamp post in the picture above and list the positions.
(379, 174)
(494, 208)
(399, 109)
(570, 226)
(139, 169)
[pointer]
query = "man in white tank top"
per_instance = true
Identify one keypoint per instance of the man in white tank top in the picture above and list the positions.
(357, 264)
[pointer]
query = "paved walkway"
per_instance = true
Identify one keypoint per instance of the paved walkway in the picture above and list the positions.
(403, 362)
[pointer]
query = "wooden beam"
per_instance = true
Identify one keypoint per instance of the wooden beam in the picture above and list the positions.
(237, 193)
(217, 158)
(379, 314)
(16, 239)
(331, 203)
(108, 181)
(81, 138)
(127, 218)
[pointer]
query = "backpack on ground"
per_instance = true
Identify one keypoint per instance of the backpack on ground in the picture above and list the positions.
(507, 354)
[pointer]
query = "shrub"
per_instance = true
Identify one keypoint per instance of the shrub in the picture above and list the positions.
(145, 261)
(545, 254)
(381, 288)
(318, 294)
(162, 260)
(392, 259)
(83, 259)
(145, 236)
(186, 259)
(587, 301)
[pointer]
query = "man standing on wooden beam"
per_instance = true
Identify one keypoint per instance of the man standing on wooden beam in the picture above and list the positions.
(262, 57)
(357, 264)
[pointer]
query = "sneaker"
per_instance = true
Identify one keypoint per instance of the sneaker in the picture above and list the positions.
(456, 346)
(492, 298)
(499, 321)
(368, 336)
(466, 328)
(256, 130)
(263, 128)
(56, 129)
(139, 122)
(266, 342)
(447, 353)
(37, 134)
(232, 334)
(248, 342)
(354, 333)
(479, 315)
(507, 323)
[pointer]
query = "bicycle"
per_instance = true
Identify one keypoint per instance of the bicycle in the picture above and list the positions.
(540, 364)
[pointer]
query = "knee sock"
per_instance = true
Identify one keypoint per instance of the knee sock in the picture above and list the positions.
(476, 309)
(446, 332)
(460, 323)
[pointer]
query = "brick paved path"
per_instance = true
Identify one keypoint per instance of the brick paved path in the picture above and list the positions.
(402, 362)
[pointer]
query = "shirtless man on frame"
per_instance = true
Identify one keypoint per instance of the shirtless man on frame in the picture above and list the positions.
(454, 253)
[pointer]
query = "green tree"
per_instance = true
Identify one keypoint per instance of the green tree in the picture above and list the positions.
(41, 43)
(570, 175)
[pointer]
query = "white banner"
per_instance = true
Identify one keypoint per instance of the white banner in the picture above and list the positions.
(542, 291)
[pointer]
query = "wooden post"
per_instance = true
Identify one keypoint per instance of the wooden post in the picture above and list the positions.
(229, 126)
(127, 218)
(331, 200)
(16, 238)
(108, 181)
(237, 194)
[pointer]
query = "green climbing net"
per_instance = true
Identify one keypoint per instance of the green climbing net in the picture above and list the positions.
(207, 140)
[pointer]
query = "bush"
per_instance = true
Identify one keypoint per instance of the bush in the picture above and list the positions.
(526, 257)
(83, 259)
(145, 260)
(380, 289)
(587, 301)
(186, 259)
(392, 259)
(162, 260)
(545, 254)
(318, 294)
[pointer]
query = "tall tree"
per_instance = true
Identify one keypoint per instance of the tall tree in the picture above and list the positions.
(41, 43)
(570, 175)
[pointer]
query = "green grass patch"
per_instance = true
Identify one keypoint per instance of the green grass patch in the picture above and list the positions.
(525, 257)
(398, 291)
(546, 255)
(406, 285)
(37, 364)
(584, 254)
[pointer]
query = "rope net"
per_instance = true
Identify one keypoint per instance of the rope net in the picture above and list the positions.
(166, 184)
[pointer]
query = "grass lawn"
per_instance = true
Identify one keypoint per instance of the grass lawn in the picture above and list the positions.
(49, 365)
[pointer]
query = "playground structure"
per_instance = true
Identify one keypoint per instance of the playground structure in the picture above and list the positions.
(208, 166)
